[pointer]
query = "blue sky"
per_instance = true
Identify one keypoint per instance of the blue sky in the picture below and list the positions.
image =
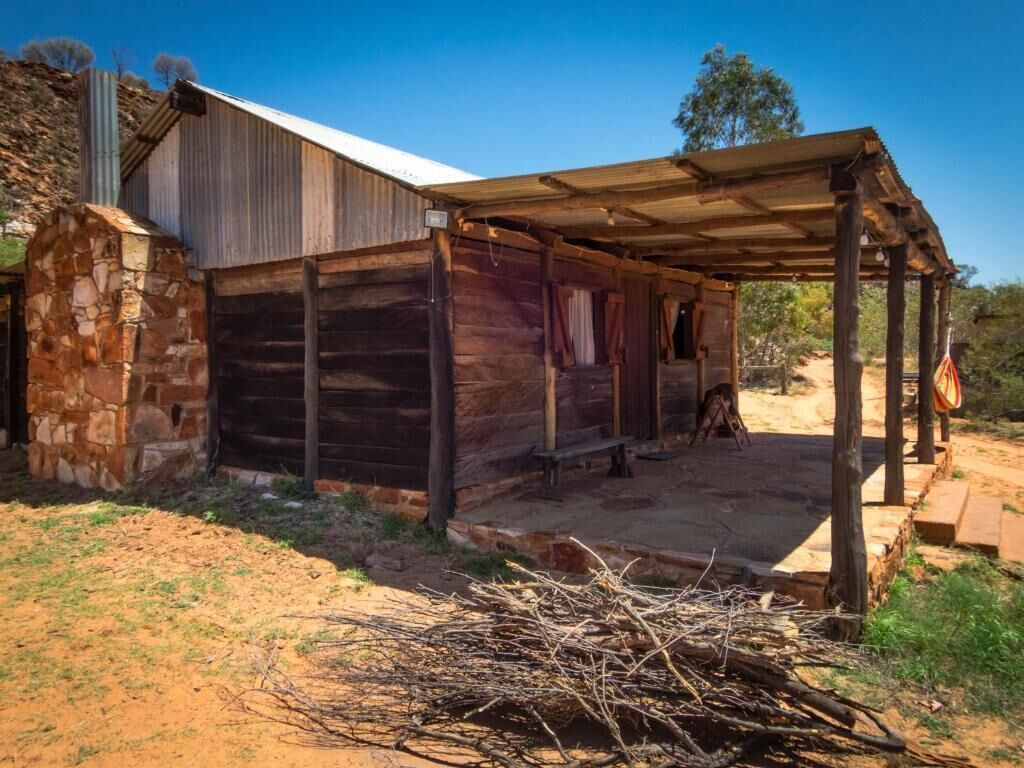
(517, 87)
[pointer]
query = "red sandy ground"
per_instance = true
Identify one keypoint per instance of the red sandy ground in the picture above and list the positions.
(125, 642)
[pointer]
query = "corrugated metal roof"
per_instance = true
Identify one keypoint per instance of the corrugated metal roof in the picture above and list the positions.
(722, 165)
(653, 172)
(394, 163)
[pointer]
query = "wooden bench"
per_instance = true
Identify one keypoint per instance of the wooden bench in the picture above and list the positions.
(613, 446)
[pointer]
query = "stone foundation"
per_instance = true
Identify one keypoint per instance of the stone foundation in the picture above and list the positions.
(117, 366)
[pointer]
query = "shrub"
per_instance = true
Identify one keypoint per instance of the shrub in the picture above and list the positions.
(60, 52)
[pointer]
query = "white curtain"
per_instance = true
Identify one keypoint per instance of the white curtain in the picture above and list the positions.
(581, 326)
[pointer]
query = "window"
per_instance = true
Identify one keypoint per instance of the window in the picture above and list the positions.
(579, 335)
(678, 339)
(581, 326)
(682, 335)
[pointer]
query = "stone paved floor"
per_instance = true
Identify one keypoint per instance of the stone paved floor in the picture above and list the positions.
(767, 505)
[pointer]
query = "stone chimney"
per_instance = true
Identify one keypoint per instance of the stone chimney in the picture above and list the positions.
(99, 179)
(117, 369)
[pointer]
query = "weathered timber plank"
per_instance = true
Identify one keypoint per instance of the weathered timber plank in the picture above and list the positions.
(253, 332)
(374, 341)
(369, 435)
(375, 454)
(496, 464)
(259, 424)
(497, 313)
(289, 304)
(486, 399)
(487, 432)
(385, 475)
(391, 255)
(484, 340)
(374, 318)
(374, 399)
(244, 368)
(281, 407)
(480, 368)
(275, 386)
(486, 287)
(390, 361)
(513, 264)
(256, 352)
(407, 273)
(394, 380)
(373, 296)
(380, 417)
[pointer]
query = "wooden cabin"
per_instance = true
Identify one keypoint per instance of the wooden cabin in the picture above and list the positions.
(354, 345)
(261, 197)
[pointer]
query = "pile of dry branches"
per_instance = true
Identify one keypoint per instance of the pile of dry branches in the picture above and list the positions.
(604, 673)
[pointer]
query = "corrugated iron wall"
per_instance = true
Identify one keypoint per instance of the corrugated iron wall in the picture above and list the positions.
(239, 191)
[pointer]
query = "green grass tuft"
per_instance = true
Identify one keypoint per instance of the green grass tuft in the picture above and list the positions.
(354, 501)
(292, 487)
(493, 565)
(961, 629)
(12, 251)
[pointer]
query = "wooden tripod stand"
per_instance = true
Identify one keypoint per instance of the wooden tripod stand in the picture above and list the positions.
(718, 412)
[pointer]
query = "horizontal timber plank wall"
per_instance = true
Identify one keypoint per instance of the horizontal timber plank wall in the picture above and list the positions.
(499, 363)
(259, 361)
(583, 395)
(499, 368)
(717, 337)
(374, 414)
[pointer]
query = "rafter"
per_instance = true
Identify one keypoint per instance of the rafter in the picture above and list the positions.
(693, 228)
(612, 199)
(562, 186)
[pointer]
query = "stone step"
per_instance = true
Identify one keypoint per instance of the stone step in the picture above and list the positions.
(939, 521)
(1011, 539)
(981, 525)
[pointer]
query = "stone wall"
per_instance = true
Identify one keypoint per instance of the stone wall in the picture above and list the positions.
(117, 366)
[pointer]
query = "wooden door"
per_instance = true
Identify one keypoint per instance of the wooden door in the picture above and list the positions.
(637, 371)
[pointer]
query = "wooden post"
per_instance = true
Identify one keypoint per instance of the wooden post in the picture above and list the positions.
(212, 402)
(617, 372)
(311, 371)
(655, 321)
(734, 321)
(896, 306)
(441, 474)
(550, 404)
(698, 338)
(926, 374)
(9, 384)
(849, 575)
(943, 347)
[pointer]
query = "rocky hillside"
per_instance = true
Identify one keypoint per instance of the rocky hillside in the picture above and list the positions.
(39, 137)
